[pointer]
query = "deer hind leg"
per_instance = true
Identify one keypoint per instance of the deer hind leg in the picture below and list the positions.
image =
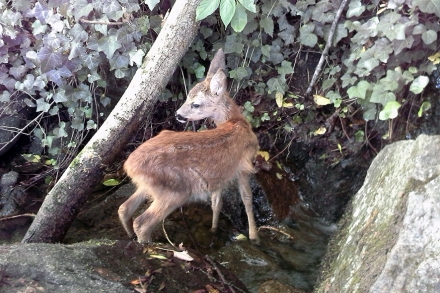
(246, 197)
(128, 208)
(159, 209)
(216, 204)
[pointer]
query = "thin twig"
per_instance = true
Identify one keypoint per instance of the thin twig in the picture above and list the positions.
(17, 216)
(277, 230)
(219, 273)
(327, 47)
(282, 151)
(166, 235)
(196, 247)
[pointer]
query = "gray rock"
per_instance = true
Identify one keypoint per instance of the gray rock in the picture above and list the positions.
(390, 239)
(11, 197)
(9, 179)
(104, 266)
(13, 116)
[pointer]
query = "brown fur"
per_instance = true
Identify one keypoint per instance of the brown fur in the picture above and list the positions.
(174, 168)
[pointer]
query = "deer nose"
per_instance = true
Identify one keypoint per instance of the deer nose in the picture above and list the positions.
(180, 118)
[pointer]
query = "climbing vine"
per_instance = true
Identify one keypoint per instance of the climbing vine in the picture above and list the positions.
(67, 56)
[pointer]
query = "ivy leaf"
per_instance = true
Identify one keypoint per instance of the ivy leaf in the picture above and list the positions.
(151, 3)
(114, 11)
(390, 111)
(233, 44)
(18, 72)
(136, 57)
(111, 182)
(119, 73)
(91, 125)
(355, 8)
(77, 124)
(382, 49)
(428, 6)
(50, 59)
(358, 91)
(277, 85)
(239, 73)
(323, 12)
(5, 97)
(335, 98)
(119, 61)
(419, 29)
(419, 84)
(370, 113)
(429, 37)
(369, 63)
(307, 37)
(239, 20)
(249, 5)
(108, 45)
(42, 105)
(92, 60)
(399, 45)
(60, 96)
(391, 81)
(288, 35)
(347, 79)
(207, 32)
(78, 33)
(266, 23)
(81, 8)
(286, 68)
(227, 11)
(425, 106)
(359, 136)
(328, 83)
(41, 12)
(379, 95)
(38, 28)
(57, 75)
(199, 71)
(206, 8)
(93, 76)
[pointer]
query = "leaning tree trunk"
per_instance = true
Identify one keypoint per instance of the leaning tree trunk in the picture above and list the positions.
(66, 198)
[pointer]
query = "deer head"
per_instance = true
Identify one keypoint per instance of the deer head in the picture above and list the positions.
(209, 98)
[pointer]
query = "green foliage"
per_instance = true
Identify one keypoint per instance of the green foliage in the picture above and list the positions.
(231, 11)
(65, 66)
(384, 49)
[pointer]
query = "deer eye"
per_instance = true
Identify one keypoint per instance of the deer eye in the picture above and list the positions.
(195, 106)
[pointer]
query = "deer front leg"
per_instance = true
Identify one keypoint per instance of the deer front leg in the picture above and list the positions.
(216, 204)
(127, 210)
(246, 197)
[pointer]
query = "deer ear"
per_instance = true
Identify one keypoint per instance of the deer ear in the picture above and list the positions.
(218, 83)
(218, 62)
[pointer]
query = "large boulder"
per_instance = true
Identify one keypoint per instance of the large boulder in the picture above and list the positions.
(390, 236)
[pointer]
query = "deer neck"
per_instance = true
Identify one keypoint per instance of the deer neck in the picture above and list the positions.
(227, 111)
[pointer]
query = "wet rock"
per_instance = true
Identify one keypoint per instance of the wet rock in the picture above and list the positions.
(12, 197)
(14, 115)
(276, 287)
(288, 255)
(105, 266)
(390, 238)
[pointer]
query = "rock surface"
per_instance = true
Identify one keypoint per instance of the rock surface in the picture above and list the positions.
(390, 238)
(107, 266)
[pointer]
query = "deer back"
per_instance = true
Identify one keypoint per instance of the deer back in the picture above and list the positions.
(195, 162)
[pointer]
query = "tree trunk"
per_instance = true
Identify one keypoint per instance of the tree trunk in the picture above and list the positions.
(66, 198)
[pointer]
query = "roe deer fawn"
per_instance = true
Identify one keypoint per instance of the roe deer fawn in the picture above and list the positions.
(174, 168)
